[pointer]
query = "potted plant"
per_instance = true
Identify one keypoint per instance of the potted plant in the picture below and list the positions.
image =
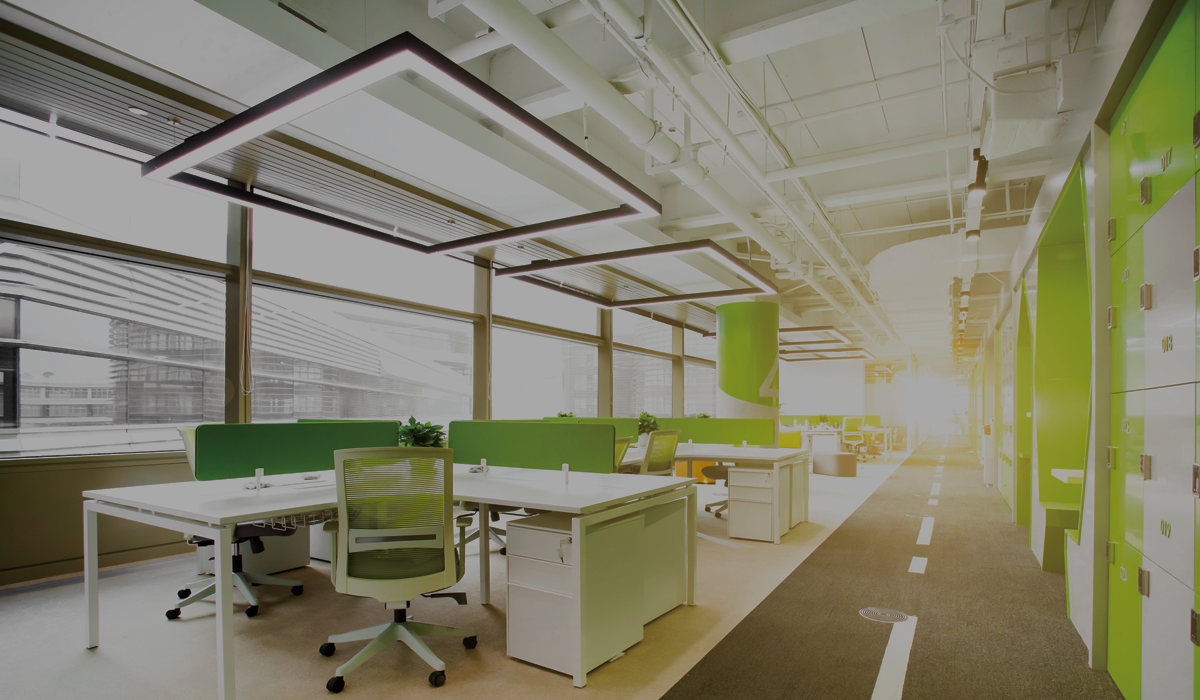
(703, 415)
(823, 419)
(416, 434)
(646, 424)
(566, 414)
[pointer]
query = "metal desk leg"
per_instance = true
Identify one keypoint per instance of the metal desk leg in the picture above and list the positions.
(224, 580)
(91, 580)
(485, 552)
(775, 500)
(693, 503)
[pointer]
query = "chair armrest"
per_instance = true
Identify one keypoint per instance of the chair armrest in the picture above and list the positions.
(330, 526)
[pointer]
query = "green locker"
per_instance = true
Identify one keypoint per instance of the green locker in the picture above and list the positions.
(1167, 96)
(1123, 191)
(1125, 620)
(1128, 438)
(1126, 317)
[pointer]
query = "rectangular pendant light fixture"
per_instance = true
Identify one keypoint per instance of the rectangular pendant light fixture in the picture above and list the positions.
(758, 284)
(397, 55)
(838, 354)
(813, 331)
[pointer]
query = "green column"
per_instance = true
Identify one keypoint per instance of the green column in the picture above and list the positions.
(748, 360)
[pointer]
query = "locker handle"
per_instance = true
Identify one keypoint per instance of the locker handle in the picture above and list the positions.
(1143, 582)
(1196, 130)
(1194, 636)
(1112, 230)
(1196, 264)
(1144, 466)
(1146, 190)
(1196, 479)
(1111, 318)
(1145, 297)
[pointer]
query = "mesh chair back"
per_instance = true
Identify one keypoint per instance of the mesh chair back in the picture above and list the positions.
(395, 521)
(660, 453)
(622, 446)
(852, 431)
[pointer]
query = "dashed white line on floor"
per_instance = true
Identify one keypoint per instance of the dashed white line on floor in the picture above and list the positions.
(939, 469)
(936, 490)
(889, 684)
(933, 501)
(918, 565)
(926, 532)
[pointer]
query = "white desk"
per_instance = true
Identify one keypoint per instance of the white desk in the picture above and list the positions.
(213, 508)
(887, 438)
(823, 439)
(788, 486)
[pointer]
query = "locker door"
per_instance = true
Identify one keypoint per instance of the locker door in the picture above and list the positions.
(1167, 649)
(1126, 335)
(1125, 171)
(1170, 318)
(1125, 621)
(1127, 485)
(1167, 92)
(1170, 511)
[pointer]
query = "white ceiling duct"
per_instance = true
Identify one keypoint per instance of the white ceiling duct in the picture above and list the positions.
(1025, 116)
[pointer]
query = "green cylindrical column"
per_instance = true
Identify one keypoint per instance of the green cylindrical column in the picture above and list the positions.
(748, 360)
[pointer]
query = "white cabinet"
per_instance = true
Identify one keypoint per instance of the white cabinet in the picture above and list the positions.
(556, 587)
(765, 503)
(1169, 507)
(1170, 316)
(663, 534)
(1167, 649)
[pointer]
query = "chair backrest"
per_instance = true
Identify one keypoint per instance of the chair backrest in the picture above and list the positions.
(189, 446)
(852, 424)
(621, 445)
(395, 522)
(660, 453)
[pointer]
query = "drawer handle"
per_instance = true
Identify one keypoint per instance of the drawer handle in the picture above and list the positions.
(561, 543)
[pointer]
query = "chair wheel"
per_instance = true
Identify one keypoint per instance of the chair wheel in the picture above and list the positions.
(707, 509)
(336, 684)
(173, 614)
(327, 649)
(504, 551)
(437, 679)
(297, 590)
(252, 611)
(183, 593)
(470, 642)
(717, 514)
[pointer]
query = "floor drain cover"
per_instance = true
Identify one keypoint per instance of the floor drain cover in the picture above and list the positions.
(883, 615)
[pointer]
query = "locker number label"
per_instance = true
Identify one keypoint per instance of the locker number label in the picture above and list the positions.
(1125, 275)
(1165, 528)
(1125, 425)
(1124, 575)
(1168, 343)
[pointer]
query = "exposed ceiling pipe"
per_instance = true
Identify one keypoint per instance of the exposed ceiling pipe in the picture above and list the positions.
(631, 24)
(537, 41)
(833, 163)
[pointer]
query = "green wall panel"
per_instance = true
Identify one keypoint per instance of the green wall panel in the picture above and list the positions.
(1023, 424)
(1125, 622)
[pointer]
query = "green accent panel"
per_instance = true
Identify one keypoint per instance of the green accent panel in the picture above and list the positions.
(1167, 93)
(1023, 422)
(534, 445)
(748, 350)
(1128, 437)
(625, 427)
(228, 451)
(727, 431)
(1062, 358)
(1128, 334)
(1125, 622)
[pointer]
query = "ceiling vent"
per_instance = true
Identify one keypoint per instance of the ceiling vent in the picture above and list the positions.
(1024, 117)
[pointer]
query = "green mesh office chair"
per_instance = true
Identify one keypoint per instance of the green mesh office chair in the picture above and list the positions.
(621, 447)
(244, 533)
(659, 459)
(852, 434)
(394, 542)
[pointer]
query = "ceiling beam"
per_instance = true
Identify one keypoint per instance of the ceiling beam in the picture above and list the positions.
(932, 185)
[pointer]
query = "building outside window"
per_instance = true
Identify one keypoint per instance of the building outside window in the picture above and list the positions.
(641, 383)
(534, 376)
(699, 389)
(102, 356)
(316, 357)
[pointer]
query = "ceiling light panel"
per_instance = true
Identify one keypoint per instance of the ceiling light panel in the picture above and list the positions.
(406, 53)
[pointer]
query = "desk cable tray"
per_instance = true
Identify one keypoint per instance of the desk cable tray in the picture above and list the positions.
(298, 520)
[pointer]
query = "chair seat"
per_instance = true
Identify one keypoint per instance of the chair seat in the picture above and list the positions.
(835, 463)
(716, 472)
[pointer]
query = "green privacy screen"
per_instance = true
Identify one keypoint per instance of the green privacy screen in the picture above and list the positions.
(723, 431)
(229, 451)
(534, 445)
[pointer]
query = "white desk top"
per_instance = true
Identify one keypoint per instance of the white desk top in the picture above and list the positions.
(724, 453)
(226, 502)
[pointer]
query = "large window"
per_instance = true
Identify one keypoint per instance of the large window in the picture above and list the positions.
(633, 329)
(534, 376)
(641, 383)
(99, 356)
(699, 389)
(698, 345)
(528, 302)
(315, 357)
(65, 186)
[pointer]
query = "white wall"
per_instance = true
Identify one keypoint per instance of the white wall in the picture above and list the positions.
(891, 402)
(836, 387)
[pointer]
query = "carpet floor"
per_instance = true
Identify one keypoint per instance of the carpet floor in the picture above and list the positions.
(990, 622)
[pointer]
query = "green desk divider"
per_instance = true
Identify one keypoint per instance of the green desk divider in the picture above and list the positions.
(722, 431)
(537, 445)
(625, 427)
(230, 451)
(557, 419)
